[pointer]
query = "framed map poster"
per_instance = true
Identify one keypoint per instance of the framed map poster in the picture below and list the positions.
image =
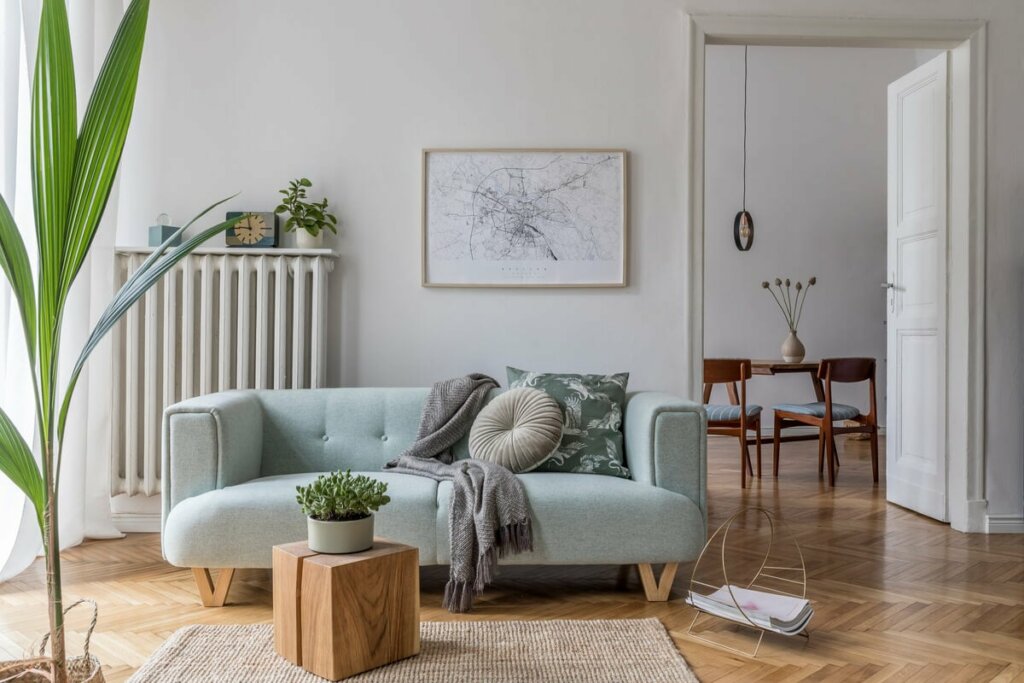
(525, 217)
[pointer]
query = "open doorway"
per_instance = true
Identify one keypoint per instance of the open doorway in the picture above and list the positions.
(855, 320)
(798, 137)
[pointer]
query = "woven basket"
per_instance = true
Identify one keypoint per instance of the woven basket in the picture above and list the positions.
(84, 669)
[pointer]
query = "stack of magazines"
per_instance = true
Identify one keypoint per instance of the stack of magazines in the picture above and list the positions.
(785, 614)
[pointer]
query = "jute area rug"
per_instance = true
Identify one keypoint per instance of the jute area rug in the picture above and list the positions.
(605, 651)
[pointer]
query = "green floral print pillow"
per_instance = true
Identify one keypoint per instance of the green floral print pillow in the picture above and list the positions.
(592, 407)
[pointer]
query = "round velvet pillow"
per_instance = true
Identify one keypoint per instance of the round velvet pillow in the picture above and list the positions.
(518, 430)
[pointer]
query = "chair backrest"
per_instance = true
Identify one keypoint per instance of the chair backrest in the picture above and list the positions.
(724, 370)
(727, 371)
(847, 369)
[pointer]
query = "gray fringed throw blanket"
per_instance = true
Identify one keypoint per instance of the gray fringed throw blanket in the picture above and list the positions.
(488, 517)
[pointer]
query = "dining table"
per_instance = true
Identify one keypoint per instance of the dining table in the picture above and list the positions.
(775, 367)
(781, 367)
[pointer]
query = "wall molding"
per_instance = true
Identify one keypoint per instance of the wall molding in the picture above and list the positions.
(1004, 524)
(137, 522)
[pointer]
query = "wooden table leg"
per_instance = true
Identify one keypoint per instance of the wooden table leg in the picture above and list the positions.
(819, 389)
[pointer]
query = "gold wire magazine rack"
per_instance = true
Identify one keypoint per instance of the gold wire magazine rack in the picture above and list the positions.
(757, 604)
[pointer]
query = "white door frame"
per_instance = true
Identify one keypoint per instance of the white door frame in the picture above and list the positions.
(965, 332)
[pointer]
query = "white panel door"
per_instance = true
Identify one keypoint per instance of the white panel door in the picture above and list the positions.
(916, 289)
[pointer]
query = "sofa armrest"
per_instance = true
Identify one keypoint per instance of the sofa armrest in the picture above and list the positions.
(666, 444)
(210, 442)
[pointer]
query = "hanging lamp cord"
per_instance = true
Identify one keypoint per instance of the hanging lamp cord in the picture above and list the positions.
(745, 127)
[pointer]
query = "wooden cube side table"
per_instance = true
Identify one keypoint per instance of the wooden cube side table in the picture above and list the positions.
(339, 615)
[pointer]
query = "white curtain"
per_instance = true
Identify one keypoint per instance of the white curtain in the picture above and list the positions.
(84, 495)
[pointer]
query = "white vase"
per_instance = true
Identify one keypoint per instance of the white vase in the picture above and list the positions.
(304, 240)
(340, 538)
(792, 348)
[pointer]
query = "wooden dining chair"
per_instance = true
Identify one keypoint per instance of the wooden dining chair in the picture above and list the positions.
(736, 418)
(824, 414)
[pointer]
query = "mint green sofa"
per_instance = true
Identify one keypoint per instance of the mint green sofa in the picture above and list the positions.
(231, 462)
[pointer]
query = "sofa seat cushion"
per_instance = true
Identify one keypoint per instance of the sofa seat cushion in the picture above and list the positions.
(583, 519)
(244, 522)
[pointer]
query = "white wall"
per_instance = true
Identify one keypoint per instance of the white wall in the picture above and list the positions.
(245, 95)
(241, 95)
(816, 187)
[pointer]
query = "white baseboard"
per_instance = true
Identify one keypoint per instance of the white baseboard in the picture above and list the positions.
(137, 522)
(1004, 524)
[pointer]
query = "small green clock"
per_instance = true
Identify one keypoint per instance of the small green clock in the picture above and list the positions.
(256, 229)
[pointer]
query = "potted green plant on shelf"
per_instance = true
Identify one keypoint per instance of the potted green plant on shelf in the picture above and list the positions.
(72, 170)
(307, 219)
(339, 511)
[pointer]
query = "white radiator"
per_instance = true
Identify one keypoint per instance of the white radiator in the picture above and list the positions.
(220, 319)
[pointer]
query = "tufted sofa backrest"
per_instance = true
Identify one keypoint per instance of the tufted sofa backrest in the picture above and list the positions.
(318, 430)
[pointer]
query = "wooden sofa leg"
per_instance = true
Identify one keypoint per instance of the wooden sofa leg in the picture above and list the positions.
(213, 595)
(657, 590)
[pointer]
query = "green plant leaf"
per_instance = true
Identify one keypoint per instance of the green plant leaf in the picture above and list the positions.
(147, 275)
(340, 496)
(305, 182)
(54, 119)
(101, 142)
(15, 263)
(17, 463)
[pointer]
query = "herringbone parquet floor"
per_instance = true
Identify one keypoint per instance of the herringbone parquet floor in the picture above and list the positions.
(898, 597)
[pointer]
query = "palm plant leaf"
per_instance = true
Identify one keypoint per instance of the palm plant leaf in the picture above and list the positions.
(131, 291)
(15, 264)
(17, 463)
(102, 138)
(54, 122)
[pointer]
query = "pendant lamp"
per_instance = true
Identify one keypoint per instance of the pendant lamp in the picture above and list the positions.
(743, 224)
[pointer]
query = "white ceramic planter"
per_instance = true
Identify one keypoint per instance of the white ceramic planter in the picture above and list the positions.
(303, 240)
(340, 538)
(793, 349)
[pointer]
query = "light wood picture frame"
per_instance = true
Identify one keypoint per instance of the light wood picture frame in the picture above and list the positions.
(532, 217)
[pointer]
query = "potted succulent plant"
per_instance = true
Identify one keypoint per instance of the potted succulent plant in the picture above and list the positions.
(307, 219)
(339, 511)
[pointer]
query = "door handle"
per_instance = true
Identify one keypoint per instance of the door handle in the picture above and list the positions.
(888, 285)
